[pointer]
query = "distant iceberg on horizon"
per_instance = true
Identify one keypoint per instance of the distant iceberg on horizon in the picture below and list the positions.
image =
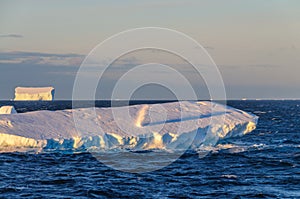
(170, 126)
(34, 94)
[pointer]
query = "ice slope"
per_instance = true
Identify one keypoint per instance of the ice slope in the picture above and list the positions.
(34, 93)
(177, 125)
(7, 110)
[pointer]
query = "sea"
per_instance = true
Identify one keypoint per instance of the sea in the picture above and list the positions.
(262, 164)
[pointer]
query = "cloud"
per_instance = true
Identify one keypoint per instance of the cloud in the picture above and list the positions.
(167, 4)
(36, 54)
(11, 36)
(288, 48)
(208, 47)
(39, 58)
(249, 66)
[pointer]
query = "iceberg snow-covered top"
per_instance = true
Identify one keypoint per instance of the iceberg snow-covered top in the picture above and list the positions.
(33, 90)
(169, 125)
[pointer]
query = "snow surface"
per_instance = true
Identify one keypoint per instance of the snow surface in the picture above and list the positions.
(34, 93)
(7, 110)
(177, 125)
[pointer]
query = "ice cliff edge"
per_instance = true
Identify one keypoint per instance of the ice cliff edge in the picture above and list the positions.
(34, 93)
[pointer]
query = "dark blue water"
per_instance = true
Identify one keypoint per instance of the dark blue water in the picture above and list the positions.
(262, 164)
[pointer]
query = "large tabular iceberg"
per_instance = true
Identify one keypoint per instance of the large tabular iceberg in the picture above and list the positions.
(177, 125)
(34, 93)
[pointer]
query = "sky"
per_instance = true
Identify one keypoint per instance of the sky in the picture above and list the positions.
(255, 44)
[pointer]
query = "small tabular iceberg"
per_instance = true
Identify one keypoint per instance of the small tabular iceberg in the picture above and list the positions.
(34, 93)
(177, 125)
(7, 110)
